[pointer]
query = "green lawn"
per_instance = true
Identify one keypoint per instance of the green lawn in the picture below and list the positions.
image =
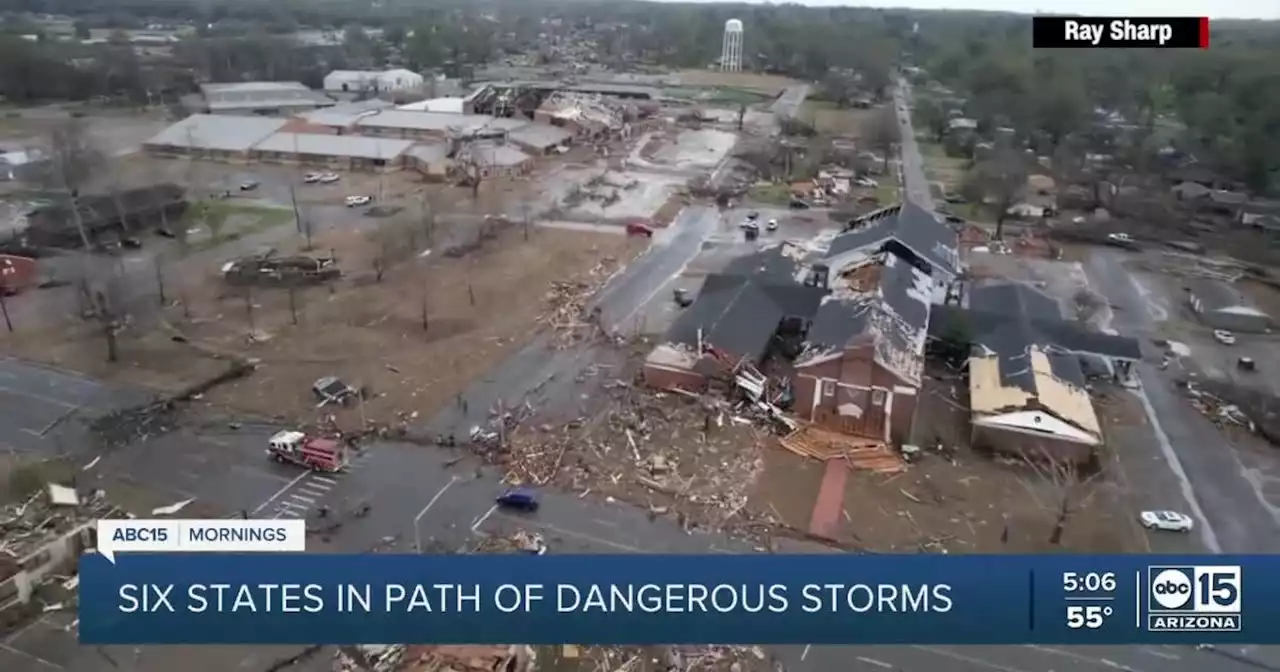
(228, 220)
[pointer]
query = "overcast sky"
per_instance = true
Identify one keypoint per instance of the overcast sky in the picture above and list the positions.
(1240, 9)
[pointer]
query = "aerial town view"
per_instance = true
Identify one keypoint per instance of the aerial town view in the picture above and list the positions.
(700, 278)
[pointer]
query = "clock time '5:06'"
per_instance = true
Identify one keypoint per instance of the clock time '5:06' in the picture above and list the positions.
(1088, 582)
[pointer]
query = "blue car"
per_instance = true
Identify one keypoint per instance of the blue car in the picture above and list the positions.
(522, 499)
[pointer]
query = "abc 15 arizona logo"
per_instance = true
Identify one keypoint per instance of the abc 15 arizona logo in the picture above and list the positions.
(1194, 598)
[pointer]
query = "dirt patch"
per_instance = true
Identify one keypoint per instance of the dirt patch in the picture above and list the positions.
(415, 338)
(771, 84)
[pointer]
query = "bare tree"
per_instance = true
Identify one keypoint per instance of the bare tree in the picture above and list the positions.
(1060, 489)
(884, 134)
(1002, 178)
(73, 160)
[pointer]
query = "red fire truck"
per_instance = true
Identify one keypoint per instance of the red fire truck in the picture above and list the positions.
(314, 453)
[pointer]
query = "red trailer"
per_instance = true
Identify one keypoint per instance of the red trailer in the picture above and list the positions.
(314, 453)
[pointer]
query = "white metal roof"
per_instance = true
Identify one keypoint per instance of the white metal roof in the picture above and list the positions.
(320, 144)
(445, 105)
(217, 132)
(438, 121)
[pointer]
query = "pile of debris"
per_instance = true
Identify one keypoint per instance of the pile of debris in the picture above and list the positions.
(688, 456)
(519, 541)
(1228, 405)
(567, 302)
(434, 658)
(688, 658)
(860, 453)
(50, 512)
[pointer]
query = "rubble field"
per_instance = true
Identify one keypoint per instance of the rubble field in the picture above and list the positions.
(693, 458)
(952, 500)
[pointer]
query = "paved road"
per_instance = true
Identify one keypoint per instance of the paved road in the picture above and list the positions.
(788, 104)
(916, 184)
(1230, 499)
(42, 410)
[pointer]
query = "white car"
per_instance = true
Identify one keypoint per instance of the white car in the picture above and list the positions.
(311, 178)
(329, 178)
(1170, 521)
(772, 225)
(866, 182)
(357, 201)
(1120, 237)
(1224, 337)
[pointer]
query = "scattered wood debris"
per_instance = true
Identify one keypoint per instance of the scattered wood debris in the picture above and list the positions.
(860, 452)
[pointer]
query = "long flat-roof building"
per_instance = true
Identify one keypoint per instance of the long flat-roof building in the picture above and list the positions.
(415, 125)
(350, 152)
(262, 98)
(223, 138)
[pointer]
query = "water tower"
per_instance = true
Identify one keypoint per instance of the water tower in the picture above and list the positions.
(731, 52)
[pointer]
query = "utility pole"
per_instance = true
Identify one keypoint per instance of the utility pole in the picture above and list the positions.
(293, 198)
(4, 308)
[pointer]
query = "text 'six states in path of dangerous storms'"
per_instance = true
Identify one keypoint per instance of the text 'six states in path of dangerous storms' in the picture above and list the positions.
(1057, 32)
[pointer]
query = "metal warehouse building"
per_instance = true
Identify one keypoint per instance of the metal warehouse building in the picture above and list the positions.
(262, 98)
(221, 138)
(435, 125)
(1221, 306)
(350, 152)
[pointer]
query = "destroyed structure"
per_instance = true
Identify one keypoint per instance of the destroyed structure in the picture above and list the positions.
(105, 217)
(844, 326)
(1221, 306)
(435, 658)
(41, 540)
(1027, 371)
(268, 270)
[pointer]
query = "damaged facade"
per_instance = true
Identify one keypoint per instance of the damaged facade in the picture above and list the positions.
(850, 323)
(1027, 380)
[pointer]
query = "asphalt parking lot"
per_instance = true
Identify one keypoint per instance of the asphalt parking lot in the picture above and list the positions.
(42, 409)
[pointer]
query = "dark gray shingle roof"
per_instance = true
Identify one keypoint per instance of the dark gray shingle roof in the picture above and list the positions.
(914, 227)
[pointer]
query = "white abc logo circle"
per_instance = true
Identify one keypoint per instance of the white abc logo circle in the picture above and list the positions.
(1172, 589)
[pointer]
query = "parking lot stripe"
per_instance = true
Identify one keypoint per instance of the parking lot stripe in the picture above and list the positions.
(309, 500)
(325, 479)
(36, 658)
(311, 490)
(483, 517)
(281, 491)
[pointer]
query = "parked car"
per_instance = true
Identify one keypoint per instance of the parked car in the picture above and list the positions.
(797, 204)
(866, 182)
(357, 201)
(753, 216)
(248, 185)
(1169, 521)
(772, 225)
(639, 229)
(1224, 337)
(311, 178)
(329, 178)
(1120, 237)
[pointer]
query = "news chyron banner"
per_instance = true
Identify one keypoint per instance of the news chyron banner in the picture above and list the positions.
(1069, 32)
(151, 595)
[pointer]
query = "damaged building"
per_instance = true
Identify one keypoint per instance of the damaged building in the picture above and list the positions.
(1028, 393)
(105, 216)
(848, 325)
(586, 115)
(863, 358)
(907, 230)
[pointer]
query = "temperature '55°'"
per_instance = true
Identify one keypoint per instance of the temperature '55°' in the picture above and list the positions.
(1089, 616)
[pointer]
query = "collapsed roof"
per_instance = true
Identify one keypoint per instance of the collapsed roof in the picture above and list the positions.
(912, 227)
(888, 310)
(1035, 353)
